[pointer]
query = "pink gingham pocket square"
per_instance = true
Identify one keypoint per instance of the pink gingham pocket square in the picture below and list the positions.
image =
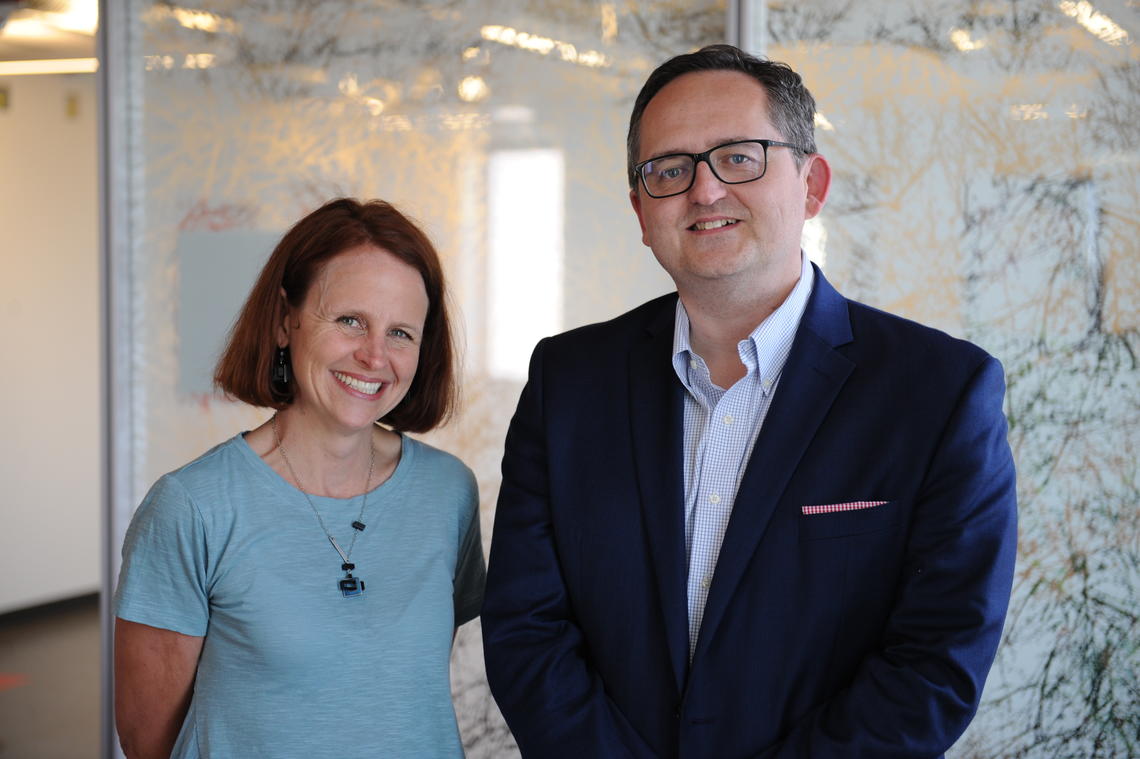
(832, 508)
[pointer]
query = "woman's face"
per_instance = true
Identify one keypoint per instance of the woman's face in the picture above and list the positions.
(355, 341)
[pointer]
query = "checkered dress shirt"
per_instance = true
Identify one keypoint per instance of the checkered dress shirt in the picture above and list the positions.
(720, 429)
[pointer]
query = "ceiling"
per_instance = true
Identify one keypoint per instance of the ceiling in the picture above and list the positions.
(39, 29)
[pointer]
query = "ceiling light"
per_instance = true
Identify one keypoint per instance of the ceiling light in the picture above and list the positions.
(962, 41)
(609, 22)
(75, 17)
(822, 122)
(50, 66)
(472, 89)
(191, 18)
(1095, 22)
(1029, 112)
(29, 28)
(536, 43)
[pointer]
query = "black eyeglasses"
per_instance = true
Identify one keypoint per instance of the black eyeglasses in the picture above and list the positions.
(731, 163)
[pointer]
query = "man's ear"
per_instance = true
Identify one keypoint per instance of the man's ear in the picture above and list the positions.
(635, 201)
(283, 322)
(818, 181)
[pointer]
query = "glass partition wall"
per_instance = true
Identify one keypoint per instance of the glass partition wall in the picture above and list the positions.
(499, 126)
(985, 183)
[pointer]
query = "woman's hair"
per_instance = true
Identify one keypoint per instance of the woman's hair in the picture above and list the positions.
(245, 368)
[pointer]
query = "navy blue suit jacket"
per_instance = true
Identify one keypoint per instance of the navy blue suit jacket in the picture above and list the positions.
(862, 633)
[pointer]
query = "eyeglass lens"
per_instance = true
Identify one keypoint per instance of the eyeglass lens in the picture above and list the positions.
(734, 163)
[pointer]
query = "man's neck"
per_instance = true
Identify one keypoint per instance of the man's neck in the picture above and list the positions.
(719, 318)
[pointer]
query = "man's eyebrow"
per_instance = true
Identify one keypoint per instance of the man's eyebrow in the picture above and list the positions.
(714, 144)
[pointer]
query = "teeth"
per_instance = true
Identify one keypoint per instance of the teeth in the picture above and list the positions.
(368, 388)
(702, 225)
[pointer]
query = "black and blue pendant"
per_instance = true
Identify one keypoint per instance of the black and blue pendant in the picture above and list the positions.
(350, 586)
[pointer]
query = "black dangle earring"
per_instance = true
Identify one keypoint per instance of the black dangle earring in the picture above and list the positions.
(281, 369)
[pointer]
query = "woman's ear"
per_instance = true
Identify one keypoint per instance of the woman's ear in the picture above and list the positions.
(283, 323)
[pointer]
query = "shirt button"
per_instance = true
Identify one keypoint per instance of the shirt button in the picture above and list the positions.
(706, 581)
(692, 363)
(714, 498)
(767, 384)
(728, 418)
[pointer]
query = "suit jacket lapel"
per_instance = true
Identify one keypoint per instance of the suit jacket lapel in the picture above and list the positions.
(656, 417)
(811, 379)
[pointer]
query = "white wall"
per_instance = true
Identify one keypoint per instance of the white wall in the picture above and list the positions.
(50, 478)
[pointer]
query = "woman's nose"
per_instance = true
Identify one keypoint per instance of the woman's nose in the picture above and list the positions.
(373, 352)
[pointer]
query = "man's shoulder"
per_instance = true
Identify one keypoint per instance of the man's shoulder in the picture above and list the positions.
(888, 322)
(649, 318)
(868, 334)
(889, 338)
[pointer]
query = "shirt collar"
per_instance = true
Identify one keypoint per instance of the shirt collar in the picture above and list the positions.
(766, 348)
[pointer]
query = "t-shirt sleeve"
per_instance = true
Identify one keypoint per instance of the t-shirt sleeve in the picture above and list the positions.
(163, 579)
(470, 568)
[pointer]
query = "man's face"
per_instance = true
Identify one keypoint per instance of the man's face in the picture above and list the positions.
(746, 234)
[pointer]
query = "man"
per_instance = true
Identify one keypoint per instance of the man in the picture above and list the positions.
(753, 518)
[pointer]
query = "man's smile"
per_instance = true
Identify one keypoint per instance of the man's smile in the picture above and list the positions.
(702, 226)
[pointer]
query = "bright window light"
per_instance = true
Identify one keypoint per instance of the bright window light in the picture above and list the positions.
(526, 240)
(814, 241)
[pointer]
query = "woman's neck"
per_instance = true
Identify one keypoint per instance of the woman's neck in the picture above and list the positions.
(320, 462)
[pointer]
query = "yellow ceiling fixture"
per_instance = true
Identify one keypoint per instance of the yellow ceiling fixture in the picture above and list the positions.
(537, 43)
(49, 66)
(1028, 112)
(1096, 23)
(609, 22)
(192, 18)
(962, 40)
(822, 122)
(51, 19)
(472, 89)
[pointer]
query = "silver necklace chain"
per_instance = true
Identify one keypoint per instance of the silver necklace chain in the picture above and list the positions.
(301, 487)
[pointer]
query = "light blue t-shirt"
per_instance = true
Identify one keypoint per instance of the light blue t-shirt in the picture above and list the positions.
(227, 549)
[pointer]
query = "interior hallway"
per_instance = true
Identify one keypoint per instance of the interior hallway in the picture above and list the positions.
(49, 681)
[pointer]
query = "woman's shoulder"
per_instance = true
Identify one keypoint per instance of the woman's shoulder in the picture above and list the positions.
(224, 454)
(225, 465)
(427, 455)
(433, 470)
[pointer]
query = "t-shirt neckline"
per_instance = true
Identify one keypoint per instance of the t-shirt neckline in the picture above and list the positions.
(276, 482)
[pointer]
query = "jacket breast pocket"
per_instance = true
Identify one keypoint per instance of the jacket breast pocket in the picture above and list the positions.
(840, 520)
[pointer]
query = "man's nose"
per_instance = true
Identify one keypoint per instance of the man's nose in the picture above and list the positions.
(706, 189)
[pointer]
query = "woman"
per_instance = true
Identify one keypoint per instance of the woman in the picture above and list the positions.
(294, 591)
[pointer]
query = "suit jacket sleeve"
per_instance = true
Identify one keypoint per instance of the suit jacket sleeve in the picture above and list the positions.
(537, 665)
(914, 696)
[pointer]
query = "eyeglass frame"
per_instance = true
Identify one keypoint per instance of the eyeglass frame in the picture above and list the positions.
(697, 158)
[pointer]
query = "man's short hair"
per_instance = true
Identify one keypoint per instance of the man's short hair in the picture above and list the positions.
(792, 106)
(245, 368)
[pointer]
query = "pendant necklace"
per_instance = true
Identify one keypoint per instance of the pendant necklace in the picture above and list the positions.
(349, 586)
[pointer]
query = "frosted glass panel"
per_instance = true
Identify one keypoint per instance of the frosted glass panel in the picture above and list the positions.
(987, 182)
(499, 126)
